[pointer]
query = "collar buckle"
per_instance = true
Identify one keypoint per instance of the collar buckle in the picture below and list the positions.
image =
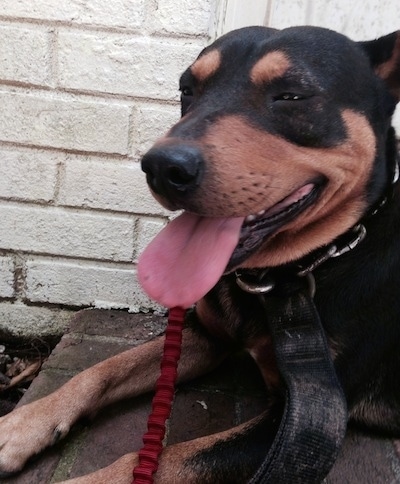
(255, 283)
(265, 283)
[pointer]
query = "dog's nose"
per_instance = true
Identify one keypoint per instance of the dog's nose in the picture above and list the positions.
(173, 171)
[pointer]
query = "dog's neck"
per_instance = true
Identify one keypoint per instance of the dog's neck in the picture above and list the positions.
(350, 239)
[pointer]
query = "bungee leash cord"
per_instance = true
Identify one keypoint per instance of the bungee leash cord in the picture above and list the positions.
(162, 400)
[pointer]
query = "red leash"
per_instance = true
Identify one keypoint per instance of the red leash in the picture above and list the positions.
(162, 401)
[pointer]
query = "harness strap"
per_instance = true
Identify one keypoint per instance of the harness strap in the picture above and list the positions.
(315, 415)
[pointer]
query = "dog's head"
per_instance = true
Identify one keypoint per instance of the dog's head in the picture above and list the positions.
(287, 131)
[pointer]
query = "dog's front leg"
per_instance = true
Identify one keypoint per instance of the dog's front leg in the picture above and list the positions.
(32, 427)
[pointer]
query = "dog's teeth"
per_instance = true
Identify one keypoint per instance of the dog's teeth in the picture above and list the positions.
(251, 218)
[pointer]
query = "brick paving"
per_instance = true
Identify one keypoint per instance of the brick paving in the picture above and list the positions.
(230, 395)
(211, 403)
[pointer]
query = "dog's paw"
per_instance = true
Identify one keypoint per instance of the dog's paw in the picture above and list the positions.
(26, 431)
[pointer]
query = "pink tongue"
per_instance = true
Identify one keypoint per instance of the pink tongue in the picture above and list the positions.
(187, 258)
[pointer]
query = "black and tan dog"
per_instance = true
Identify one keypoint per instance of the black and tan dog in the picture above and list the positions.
(284, 145)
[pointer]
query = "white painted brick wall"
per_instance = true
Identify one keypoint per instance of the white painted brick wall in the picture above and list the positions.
(116, 13)
(84, 284)
(107, 185)
(29, 175)
(72, 124)
(86, 86)
(56, 231)
(119, 64)
(6, 277)
(25, 55)
(18, 319)
(150, 119)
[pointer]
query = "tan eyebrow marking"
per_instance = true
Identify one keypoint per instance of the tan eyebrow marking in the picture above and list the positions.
(206, 65)
(271, 66)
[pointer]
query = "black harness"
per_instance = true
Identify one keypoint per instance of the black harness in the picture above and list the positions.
(314, 420)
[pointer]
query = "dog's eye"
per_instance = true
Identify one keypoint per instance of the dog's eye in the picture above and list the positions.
(288, 96)
(187, 96)
(186, 91)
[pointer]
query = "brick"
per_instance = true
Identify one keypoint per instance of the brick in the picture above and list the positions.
(190, 17)
(151, 122)
(108, 185)
(60, 232)
(25, 55)
(197, 414)
(28, 174)
(115, 432)
(114, 324)
(46, 382)
(6, 277)
(120, 64)
(72, 124)
(30, 321)
(85, 285)
(75, 354)
(118, 13)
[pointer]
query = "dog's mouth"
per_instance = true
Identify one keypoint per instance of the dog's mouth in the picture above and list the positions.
(192, 252)
(256, 229)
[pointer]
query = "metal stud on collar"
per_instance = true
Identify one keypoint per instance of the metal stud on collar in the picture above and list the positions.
(360, 233)
(396, 174)
(357, 234)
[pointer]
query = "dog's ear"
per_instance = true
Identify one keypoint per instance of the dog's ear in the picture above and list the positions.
(384, 54)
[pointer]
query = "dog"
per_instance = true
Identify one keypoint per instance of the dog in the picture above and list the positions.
(285, 144)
